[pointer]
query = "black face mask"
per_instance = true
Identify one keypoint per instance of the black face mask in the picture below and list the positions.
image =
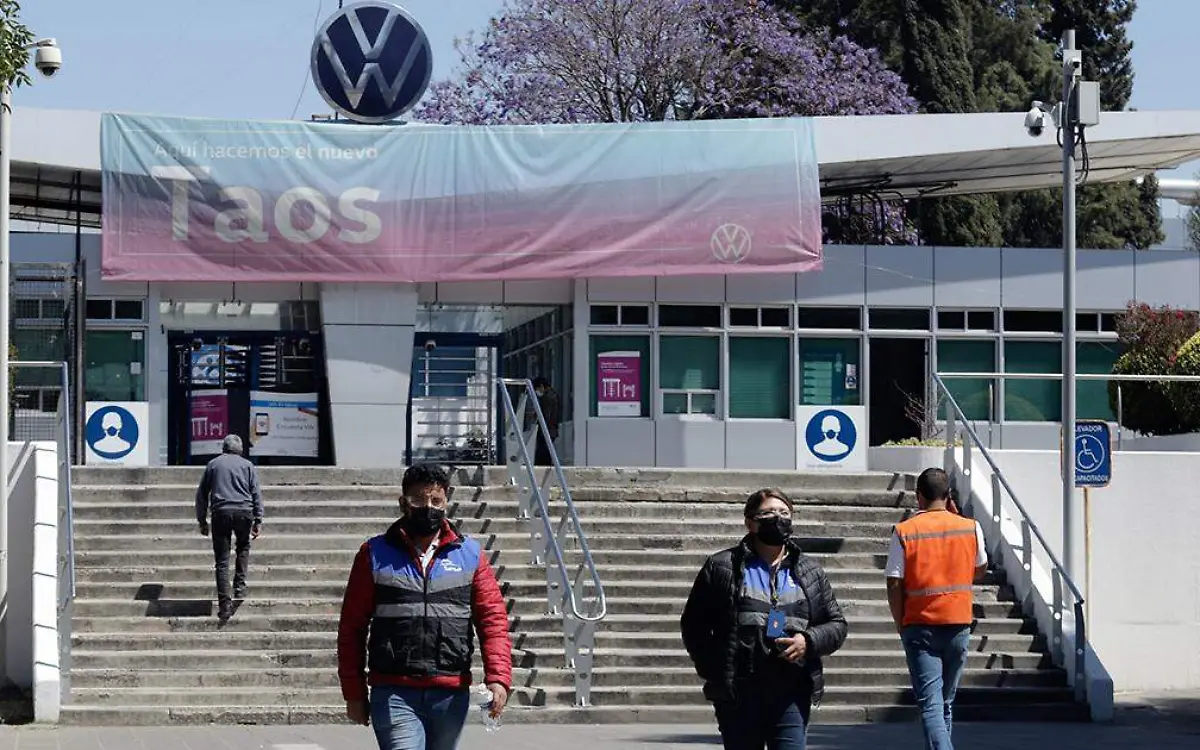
(424, 521)
(774, 530)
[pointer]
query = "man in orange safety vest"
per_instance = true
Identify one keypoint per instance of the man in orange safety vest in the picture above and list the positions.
(934, 559)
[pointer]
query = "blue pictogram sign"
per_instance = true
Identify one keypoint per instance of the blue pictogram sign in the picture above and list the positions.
(371, 61)
(1093, 453)
(112, 433)
(831, 435)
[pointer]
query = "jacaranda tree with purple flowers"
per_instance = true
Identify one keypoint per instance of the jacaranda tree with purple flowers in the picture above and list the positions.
(578, 61)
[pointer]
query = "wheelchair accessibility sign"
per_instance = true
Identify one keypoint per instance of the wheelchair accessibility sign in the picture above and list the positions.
(1093, 453)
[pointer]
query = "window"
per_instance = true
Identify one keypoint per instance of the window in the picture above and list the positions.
(1032, 400)
(1033, 321)
(620, 315)
(689, 374)
(1108, 322)
(972, 395)
(966, 320)
(444, 372)
(899, 319)
(115, 362)
(830, 373)
(1091, 396)
(952, 320)
(759, 378)
(628, 358)
(119, 309)
(836, 318)
(689, 316)
(760, 317)
(981, 320)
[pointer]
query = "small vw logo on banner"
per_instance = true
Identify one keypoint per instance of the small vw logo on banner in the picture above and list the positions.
(371, 61)
(730, 243)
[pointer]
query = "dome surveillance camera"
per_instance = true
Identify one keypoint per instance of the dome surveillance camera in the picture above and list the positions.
(430, 345)
(1035, 120)
(47, 57)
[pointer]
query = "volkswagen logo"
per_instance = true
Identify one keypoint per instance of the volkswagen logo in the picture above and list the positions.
(731, 243)
(371, 61)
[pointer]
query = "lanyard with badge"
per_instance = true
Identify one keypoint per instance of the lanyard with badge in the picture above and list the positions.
(775, 618)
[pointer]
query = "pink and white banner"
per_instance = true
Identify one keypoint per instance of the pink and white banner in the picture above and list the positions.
(236, 200)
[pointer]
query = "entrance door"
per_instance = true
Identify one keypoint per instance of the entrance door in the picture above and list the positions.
(453, 414)
(268, 388)
(898, 386)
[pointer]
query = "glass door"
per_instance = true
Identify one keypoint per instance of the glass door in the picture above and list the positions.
(116, 365)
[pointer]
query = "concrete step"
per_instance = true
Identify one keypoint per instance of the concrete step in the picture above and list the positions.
(888, 656)
(646, 479)
(271, 540)
(614, 577)
(536, 642)
(643, 559)
(653, 593)
(479, 527)
(678, 715)
(549, 677)
(357, 503)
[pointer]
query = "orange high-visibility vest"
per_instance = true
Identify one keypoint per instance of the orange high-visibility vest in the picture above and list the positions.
(940, 549)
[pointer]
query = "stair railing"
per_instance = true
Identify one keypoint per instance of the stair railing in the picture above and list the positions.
(1071, 654)
(579, 596)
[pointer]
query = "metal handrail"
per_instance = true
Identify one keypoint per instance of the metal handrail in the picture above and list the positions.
(1058, 376)
(552, 538)
(65, 483)
(1058, 572)
(578, 626)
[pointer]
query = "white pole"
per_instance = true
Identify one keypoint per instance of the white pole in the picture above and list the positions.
(5, 164)
(1068, 385)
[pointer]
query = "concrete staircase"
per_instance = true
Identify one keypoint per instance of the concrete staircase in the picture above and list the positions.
(148, 650)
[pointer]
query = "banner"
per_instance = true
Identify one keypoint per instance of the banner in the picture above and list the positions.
(223, 200)
(619, 384)
(210, 421)
(283, 424)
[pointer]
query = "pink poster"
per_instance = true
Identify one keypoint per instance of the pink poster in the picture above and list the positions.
(619, 384)
(210, 421)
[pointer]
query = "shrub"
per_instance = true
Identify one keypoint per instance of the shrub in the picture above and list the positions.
(1186, 396)
(1153, 338)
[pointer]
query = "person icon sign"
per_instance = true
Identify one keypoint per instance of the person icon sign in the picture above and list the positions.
(112, 442)
(830, 435)
(831, 427)
(112, 433)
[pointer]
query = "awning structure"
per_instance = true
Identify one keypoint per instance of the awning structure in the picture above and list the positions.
(56, 156)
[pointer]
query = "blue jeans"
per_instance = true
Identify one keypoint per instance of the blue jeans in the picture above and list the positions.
(776, 718)
(936, 655)
(418, 719)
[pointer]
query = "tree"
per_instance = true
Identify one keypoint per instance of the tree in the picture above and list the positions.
(552, 61)
(1010, 49)
(1192, 223)
(15, 39)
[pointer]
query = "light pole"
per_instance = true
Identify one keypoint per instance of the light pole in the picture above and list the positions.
(48, 59)
(1072, 61)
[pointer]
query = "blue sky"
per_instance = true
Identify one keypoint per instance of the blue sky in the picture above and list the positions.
(249, 58)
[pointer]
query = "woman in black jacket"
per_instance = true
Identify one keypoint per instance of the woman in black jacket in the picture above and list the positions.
(758, 620)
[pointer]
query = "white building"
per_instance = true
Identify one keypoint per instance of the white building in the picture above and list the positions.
(725, 361)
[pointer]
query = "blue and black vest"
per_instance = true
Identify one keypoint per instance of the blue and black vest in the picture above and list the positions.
(422, 623)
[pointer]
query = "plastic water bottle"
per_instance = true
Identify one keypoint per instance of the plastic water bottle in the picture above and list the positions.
(483, 699)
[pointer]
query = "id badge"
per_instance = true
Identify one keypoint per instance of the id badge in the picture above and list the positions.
(775, 621)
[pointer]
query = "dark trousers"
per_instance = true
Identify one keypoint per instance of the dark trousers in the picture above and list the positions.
(773, 718)
(230, 527)
(541, 452)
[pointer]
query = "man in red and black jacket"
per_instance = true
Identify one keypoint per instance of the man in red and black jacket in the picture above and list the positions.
(416, 596)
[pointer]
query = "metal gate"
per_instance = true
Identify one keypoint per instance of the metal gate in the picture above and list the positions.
(452, 409)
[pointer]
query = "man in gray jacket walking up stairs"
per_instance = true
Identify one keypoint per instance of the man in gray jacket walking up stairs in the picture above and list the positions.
(229, 490)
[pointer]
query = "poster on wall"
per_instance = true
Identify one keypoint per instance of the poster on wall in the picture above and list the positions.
(209, 418)
(831, 438)
(283, 424)
(619, 384)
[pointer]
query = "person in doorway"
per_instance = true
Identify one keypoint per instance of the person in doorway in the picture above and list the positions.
(934, 559)
(548, 401)
(229, 491)
(416, 596)
(759, 619)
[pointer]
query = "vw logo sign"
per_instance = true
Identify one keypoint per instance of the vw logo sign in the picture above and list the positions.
(730, 243)
(371, 61)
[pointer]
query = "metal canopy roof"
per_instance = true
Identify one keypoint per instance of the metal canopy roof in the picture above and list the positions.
(56, 156)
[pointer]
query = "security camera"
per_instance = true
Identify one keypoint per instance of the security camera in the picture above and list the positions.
(47, 57)
(1035, 120)
(430, 345)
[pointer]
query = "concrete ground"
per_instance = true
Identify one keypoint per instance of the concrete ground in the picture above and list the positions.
(1163, 722)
